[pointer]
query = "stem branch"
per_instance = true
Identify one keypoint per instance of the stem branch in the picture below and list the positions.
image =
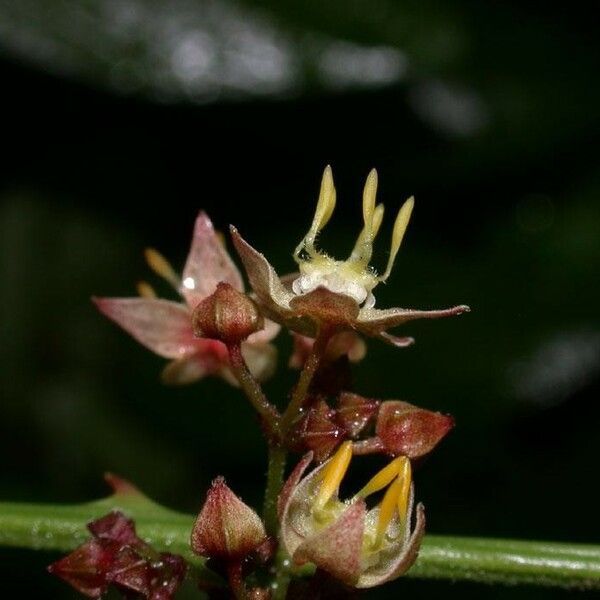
(269, 414)
(277, 458)
(52, 527)
(306, 376)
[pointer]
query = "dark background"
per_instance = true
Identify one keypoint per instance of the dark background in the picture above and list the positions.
(117, 129)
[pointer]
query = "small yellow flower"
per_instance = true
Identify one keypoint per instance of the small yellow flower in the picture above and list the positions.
(334, 294)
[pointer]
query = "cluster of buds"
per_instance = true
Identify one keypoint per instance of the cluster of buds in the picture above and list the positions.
(116, 556)
(219, 329)
(389, 427)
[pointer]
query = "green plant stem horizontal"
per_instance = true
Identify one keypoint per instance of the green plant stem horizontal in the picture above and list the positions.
(62, 527)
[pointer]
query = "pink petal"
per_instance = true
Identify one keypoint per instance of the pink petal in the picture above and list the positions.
(265, 282)
(337, 548)
(266, 334)
(162, 326)
(210, 357)
(208, 263)
(261, 359)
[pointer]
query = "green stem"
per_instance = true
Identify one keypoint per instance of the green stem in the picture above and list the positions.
(277, 458)
(269, 414)
(306, 376)
(62, 528)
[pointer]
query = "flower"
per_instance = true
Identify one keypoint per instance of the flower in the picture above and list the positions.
(165, 327)
(360, 547)
(330, 293)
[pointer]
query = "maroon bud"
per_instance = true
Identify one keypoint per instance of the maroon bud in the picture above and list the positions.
(408, 430)
(318, 432)
(354, 412)
(226, 528)
(227, 315)
(85, 568)
(117, 556)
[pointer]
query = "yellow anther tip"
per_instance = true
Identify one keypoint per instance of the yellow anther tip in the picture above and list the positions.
(145, 290)
(333, 473)
(161, 266)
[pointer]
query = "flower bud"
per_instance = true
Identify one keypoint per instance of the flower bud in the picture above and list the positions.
(227, 315)
(354, 412)
(226, 528)
(411, 431)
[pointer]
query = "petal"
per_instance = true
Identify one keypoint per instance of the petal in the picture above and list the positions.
(162, 326)
(266, 334)
(210, 357)
(207, 264)
(401, 558)
(261, 359)
(183, 371)
(267, 286)
(337, 548)
(374, 320)
(291, 483)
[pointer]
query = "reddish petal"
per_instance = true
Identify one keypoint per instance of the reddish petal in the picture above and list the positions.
(208, 263)
(162, 326)
(337, 548)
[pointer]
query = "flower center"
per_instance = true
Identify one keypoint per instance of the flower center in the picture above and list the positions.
(354, 276)
(396, 477)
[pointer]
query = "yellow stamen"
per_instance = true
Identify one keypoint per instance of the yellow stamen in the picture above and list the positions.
(333, 474)
(399, 230)
(383, 477)
(161, 266)
(387, 508)
(323, 212)
(145, 290)
(405, 479)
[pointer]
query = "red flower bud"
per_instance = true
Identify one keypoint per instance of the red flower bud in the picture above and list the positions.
(117, 556)
(411, 431)
(226, 528)
(227, 315)
(319, 432)
(354, 412)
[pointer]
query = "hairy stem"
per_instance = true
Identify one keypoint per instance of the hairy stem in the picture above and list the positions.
(306, 376)
(52, 527)
(277, 458)
(268, 413)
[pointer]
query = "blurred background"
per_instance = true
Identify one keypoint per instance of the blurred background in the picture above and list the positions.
(122, 118)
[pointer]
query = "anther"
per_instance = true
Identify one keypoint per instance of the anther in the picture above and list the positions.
(333, 473)
(162, 267)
